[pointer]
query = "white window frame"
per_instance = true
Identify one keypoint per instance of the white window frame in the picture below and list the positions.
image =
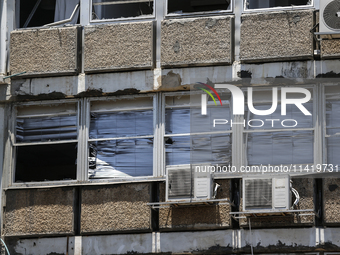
(324, 120)
(313, 4)
(120, 20)
(14, 145)
(174, 94)
(314, 129)
(155, 137)
(198, 14)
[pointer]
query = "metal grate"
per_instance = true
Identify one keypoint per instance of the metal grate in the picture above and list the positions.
(179, 183)
(331, 14)
(258, 193)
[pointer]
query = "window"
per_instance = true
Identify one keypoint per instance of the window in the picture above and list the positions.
(46, 141)
(42, 12)
(275, 139)
(116, 9)
(189, 136)
(121, 138)
(332, 124)
(197, 6)
(263, 4)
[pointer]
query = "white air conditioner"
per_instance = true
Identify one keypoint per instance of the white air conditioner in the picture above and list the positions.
(266, 194)
(184, 184)
(329, 16)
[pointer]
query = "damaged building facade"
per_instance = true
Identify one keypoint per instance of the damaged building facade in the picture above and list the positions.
(97, 132)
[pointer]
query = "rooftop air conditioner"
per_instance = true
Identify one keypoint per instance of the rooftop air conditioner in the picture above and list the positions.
(329, 16)
(266, 194)
(185, 184)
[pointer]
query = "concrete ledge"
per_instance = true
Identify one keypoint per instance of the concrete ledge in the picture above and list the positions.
(116, 208)
(115, 47)
(45, 52)
(330, 49)
(276, 36)
(39, 212)
(197, 41)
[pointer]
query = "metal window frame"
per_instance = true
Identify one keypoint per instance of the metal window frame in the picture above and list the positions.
(12, 128)
(316, 131)
(198, 14)
(187, 93)
(121, 20)
(324, 119)
(313, 5)
(154, 98)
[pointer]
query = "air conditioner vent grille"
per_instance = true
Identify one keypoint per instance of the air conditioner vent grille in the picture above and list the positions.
(258, 193)
(331, 14)
(179, 183)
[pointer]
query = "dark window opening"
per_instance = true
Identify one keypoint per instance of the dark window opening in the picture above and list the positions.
(48, 162)
(190, 6)
(258, 4)
(35, 14)
(108, 9)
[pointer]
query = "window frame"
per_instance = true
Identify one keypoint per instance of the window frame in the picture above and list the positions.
(273, 9)
(314, 129)
(12, 138)
(154, 175)
(120, 20)
(198, 14)
(217, 175)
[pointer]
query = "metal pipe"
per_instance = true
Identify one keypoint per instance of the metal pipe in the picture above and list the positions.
(6, 77)
(65, 20)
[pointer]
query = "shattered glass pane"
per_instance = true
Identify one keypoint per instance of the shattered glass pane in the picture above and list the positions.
(49, 128)
(48, 162)
(214, 149)
(275, 148)
(190, 6)
(121, 158)
(115, 9)
(121, 124)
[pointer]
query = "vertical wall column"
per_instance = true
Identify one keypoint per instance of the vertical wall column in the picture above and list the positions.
(3, 37)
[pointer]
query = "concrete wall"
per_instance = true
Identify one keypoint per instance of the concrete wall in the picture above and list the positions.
(330, 48)
(38, 211)
(200, 41)
(118, 47)
(50, 51)
(273, 36)
(264, 241)
(331, 200)
(115, 208)
(196, 217)
(305, 188)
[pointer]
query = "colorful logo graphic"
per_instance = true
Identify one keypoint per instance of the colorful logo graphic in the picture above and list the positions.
(201, 86)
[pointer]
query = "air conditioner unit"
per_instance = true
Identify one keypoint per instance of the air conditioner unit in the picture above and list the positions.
(330, 16)
(183, 183)
(266, 194)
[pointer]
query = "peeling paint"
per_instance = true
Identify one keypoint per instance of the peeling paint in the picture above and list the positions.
(328, 75)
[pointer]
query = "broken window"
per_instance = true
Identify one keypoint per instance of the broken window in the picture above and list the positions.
(191, 138)
(115, 9)
(36, 13)
(192, 6)
(121, 138)
(267, 141)
(262, 4)
(46, 143)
